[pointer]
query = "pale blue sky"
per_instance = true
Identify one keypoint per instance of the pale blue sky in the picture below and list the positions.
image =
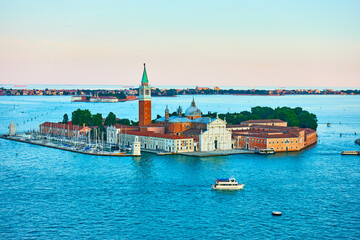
(238, 43)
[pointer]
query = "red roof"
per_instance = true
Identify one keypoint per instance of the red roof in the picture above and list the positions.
(236, 125)
(122, 126)
(278, 128)
(309, 131)
(264, 121)
(62, 126)
(155, 125)
(152, 134)
(266, 136)
(107, 97)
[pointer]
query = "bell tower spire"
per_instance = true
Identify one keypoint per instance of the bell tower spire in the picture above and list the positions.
(144, 80)
(144, 101)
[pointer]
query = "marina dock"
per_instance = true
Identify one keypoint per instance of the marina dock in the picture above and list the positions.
(75, 150)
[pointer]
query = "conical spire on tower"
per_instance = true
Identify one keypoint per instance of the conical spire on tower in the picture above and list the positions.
(193, 103)
(144, 80)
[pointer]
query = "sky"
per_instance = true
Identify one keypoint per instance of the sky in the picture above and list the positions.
(304, 43)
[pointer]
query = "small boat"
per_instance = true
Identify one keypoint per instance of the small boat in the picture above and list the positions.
(276, 213)
(265, 151)
(227, 184)
(350, 153)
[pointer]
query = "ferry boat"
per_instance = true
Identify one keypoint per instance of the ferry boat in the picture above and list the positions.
(227, 184)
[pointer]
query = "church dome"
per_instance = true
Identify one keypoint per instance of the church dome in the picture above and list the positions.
(192, 111)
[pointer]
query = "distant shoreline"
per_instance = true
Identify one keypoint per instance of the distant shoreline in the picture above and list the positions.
(157, 92)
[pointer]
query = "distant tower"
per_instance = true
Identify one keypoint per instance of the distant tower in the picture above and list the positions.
(136, 147)
(167, 113)
(12, 129)
(179, 111)
(144, 101)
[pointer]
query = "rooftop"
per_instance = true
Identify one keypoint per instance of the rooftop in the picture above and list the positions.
(64, 126)
(192, 131)
(158, 135)
(264, 121)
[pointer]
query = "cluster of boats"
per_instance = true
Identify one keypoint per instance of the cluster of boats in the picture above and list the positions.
(68, 145)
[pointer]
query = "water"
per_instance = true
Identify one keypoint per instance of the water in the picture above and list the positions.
(48, 193)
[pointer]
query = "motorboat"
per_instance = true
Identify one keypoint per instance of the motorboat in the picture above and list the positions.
(265, 151)
(227, 184)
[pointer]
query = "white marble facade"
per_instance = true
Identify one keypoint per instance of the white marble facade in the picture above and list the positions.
(111, 135)
(215, 137)
(158, 143)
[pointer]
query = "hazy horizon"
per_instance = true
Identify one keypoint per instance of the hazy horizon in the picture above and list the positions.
(122, 86)
(306, 44)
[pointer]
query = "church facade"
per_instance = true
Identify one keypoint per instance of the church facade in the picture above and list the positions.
(215, 137)
(209, 134)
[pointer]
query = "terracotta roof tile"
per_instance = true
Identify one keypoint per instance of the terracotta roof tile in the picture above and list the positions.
(152, 134)
(264, 121)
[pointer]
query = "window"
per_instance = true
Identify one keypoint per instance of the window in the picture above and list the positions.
(147, 92)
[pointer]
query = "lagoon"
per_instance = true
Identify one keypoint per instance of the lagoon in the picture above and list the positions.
(49, 193)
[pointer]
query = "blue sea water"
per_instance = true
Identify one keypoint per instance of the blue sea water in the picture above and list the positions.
(52, 194)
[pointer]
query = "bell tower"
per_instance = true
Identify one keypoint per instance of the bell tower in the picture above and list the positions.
(144, 101)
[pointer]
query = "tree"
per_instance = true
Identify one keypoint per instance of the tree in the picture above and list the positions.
(308, 120)
(96, 120)
(124, 121)
(293, 116)
(80, 117)
(65, 119)
(110, 119)
(121, 95)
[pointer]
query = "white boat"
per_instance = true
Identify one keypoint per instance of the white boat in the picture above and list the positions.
(265, 151)
(227, 184)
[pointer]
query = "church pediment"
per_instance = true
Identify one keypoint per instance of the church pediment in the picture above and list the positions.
(218, 121)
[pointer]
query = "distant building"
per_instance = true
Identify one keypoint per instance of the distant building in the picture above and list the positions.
(157, 141)
(268, 122)
(112, 132)
(61, 129)
(278, 138)
(89, 98)
(108, 99)
(202, 88)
